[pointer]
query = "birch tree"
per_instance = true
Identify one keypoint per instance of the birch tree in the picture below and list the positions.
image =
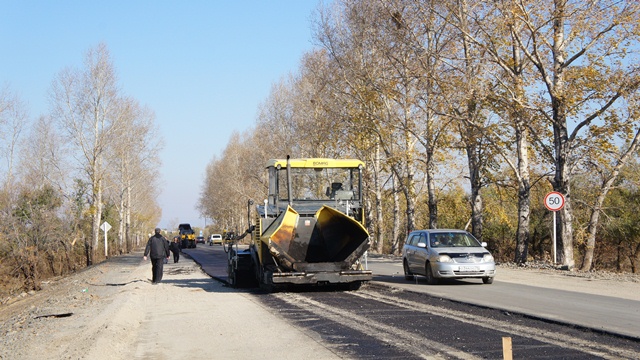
(133, 151)
(499, 27)
(466, 95)
(586, 60)
(42, 157)
(13, 119)
(607, 161)
(346, 52)
(352, 36)
(84, 102)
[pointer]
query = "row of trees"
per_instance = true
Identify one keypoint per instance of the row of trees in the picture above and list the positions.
(89, 160)
(467, 113)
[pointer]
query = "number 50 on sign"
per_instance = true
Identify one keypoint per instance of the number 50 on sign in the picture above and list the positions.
(554, 201)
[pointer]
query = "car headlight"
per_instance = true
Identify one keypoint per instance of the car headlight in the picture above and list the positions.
(487, 258)
(443, 258)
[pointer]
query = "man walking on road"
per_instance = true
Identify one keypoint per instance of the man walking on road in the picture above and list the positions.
(158, 249)
(175, 249)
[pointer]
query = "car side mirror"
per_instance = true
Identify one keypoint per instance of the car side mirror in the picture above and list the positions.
(421, 245)
(484, 244)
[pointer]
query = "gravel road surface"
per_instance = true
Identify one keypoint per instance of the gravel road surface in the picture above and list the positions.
(112, 311)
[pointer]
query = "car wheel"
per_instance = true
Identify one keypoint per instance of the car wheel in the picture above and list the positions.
(487, 280)
(408, 275)
(431, 280)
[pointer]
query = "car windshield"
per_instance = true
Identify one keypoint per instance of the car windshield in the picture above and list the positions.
(453, 239)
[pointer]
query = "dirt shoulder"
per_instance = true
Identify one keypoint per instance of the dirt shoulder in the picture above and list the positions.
(112, 311)
(624, 286)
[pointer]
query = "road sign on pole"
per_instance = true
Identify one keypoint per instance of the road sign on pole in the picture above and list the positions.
(105, 227)
(554, 201)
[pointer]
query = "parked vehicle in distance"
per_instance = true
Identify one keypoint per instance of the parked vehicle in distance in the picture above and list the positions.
(446, 254)
(215, 239)
(200, 240)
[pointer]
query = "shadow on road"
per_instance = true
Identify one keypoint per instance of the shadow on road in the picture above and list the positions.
(206, 285)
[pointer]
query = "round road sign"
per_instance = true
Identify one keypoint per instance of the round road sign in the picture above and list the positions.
(554, 201)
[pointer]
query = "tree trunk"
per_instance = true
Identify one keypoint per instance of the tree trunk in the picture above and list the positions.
(121, 211)
(619, 256)
(97, 215)
(469, 133)
(395, 231)
(378, 202)
(477, 217)
(522, 233)
(561, 182)
(635, 261)
(565, 242)
(521, 128)
(475, 200)
(431, 190)
(410, 197)
(127, 218)
(587, 260)
(524, 194)
(88, 251)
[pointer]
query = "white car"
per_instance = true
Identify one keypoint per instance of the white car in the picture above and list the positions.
(215, 239)
(446, 254)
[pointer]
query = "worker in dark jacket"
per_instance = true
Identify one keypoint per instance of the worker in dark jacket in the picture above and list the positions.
(175, 249)
(158, 249)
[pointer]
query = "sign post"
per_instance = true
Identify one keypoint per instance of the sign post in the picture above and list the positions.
(105, 227)
(554, 201)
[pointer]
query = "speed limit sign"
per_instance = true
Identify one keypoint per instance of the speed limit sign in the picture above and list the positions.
(554, 201)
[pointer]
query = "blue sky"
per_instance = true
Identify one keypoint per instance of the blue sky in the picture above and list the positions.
(202, 66)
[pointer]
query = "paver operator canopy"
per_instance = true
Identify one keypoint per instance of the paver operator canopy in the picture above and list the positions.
(314, 183)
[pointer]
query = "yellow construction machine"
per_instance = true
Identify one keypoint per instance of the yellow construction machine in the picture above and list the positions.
(310, 229)
(187, 236)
